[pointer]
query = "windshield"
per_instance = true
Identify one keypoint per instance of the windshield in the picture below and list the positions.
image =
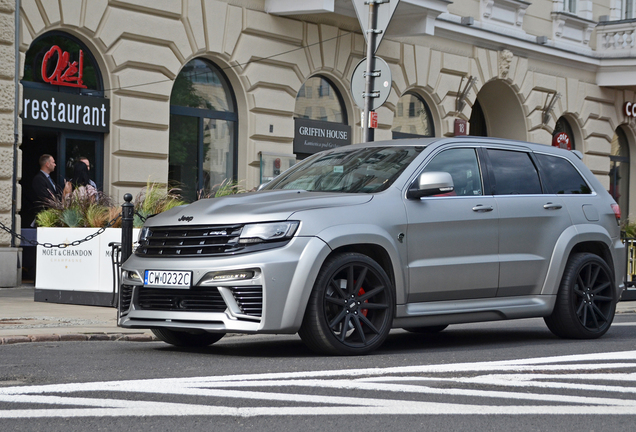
(355, 170)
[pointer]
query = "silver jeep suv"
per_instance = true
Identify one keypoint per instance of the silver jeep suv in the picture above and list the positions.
(416, 234)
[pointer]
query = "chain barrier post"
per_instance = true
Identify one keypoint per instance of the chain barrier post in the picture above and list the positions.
(127, 214)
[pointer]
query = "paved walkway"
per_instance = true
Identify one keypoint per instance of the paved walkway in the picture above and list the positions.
(24, 320)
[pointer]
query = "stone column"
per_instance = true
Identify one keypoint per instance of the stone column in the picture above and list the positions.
(10, 257)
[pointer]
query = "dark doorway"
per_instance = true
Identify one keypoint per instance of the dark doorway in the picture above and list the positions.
(478, 121)
(66, 148)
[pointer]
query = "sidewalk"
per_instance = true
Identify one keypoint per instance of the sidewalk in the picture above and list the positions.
(24, 320)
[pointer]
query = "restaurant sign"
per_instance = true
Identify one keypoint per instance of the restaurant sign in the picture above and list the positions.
(313, 136)
(65, 110)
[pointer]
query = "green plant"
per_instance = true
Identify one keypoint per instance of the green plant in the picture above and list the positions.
(225, 188)
(72, 217)
(629, 229)
(155, 198)
(48, 218)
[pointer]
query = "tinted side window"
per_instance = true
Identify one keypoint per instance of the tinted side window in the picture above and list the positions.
(513, 173)
(462, 165)
(560, 177)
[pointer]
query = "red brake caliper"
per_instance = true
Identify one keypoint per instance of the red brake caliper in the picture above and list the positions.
(363, 311)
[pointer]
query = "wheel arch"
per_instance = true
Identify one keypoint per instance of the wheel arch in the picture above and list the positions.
(578, 239)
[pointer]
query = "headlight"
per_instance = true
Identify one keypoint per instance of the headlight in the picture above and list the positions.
(265, 232)
(143, 234)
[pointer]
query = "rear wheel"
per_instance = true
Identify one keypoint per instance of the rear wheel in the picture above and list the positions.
(586, 301)
(186, 339)
(350, 310)
(427, 329)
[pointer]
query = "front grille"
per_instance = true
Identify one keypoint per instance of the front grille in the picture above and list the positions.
(191, 241)
(126, 298)
(249, 299)
(193, 300)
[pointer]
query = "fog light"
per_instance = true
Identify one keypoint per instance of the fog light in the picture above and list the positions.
(225, 276)
(133, 276)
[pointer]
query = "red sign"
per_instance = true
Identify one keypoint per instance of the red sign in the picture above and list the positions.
(562, 140)
(461, 127)
(66, 73)
(373, 119)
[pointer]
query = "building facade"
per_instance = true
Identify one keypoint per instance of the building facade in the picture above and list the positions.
(198, 92)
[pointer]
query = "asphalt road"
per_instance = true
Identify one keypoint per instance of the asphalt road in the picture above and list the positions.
(512, 376)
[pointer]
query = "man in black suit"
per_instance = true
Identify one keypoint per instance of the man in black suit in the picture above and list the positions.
(43, 186)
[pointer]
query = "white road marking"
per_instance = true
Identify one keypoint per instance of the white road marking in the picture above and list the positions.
(489, 388)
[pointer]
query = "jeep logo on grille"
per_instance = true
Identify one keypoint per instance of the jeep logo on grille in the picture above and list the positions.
(185, 218)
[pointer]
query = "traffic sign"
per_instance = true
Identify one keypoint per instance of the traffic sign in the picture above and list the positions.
(382, 87)
(385, 11)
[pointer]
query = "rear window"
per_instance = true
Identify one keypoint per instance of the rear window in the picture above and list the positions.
(513, 173)
(560, 177)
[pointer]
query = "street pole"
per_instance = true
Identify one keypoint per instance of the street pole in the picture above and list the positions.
(369, 78)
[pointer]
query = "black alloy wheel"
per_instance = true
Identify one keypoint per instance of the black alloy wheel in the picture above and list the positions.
(586, 301)
(351, 307)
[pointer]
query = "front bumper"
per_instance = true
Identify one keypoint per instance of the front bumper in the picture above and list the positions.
(283, 276)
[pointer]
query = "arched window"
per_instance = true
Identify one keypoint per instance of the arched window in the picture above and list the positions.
(203, 130)
(562, 125)
(619, 170)
(412, 118)
(320, 118)
(64, 113)
(318, 100)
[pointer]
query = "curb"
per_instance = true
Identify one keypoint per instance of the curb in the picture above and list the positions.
(129, 337)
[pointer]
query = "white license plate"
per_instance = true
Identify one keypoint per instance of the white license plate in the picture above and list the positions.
(168, 279)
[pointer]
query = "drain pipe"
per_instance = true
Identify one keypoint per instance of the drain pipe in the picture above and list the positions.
(16, 132)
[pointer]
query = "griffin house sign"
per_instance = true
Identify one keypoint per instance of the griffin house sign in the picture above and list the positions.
(313, 136)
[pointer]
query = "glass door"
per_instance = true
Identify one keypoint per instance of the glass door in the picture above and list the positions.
(74, 146)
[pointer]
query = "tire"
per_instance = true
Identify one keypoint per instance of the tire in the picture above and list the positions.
(186, 339)
(586, 301)
(350, 310)
(427, 329)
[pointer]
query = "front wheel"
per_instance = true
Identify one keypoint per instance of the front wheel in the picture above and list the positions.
(586, 302)
(186, 339)
(350, 310)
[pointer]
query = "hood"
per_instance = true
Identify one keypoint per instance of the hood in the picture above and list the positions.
(252, 207)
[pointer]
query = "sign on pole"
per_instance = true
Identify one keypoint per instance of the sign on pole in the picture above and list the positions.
(386, 9)
(358, 82)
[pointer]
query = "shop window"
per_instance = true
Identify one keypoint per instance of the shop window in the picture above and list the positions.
(416, 121)
(203, 134)
(320, 118)
(562, 125)
(619, 170)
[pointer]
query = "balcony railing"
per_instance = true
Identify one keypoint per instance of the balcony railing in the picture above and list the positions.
(616, 38)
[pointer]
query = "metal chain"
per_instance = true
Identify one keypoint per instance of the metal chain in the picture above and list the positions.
(61, 245)
(143, 218)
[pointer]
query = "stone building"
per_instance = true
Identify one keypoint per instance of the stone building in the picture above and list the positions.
(195, 92)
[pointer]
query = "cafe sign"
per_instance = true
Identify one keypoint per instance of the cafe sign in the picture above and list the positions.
(313, 136)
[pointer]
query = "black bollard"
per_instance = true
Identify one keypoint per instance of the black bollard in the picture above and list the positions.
(127, 215)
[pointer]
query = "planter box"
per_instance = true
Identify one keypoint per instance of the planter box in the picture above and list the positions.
(80, 274)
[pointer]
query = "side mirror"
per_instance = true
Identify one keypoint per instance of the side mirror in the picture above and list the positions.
(431, 183)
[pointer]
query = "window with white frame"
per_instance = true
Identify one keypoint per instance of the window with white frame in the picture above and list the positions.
(569, 6)
(628, 9)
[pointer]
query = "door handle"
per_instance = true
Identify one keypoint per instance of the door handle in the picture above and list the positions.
(482, 208)
(551, 206)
